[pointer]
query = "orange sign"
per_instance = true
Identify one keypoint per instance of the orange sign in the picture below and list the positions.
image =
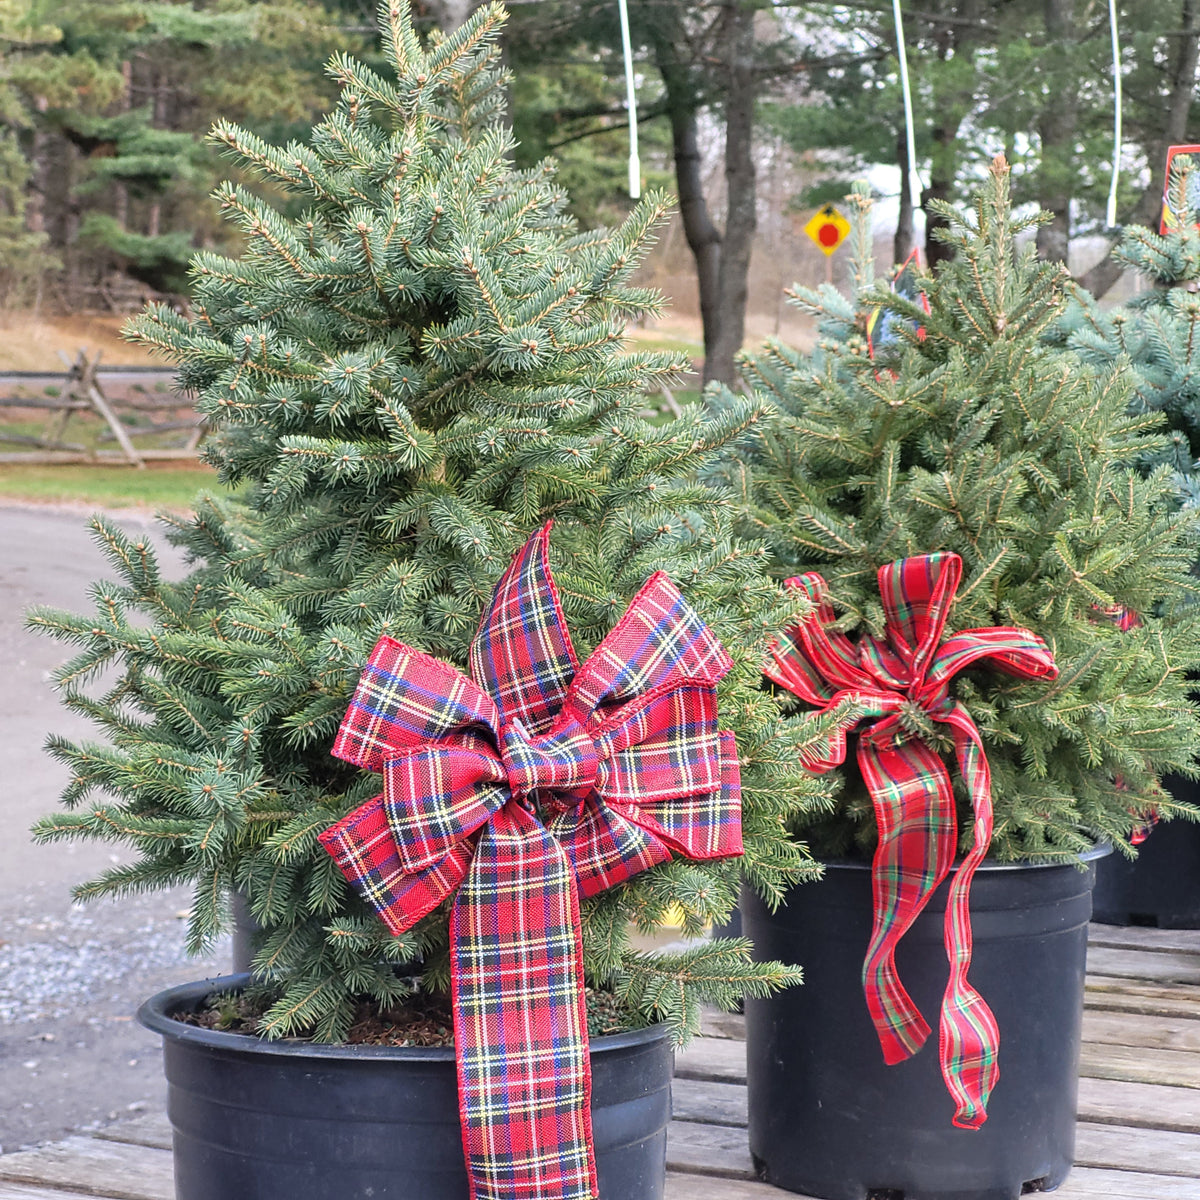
(828, 228)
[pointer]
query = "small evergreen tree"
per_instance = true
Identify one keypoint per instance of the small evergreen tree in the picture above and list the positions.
(970, 432)
(1158, 331)
(409, 376)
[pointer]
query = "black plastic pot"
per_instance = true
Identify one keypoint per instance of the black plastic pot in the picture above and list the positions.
(290, 1120)
(1161, 887)
(830, 1119)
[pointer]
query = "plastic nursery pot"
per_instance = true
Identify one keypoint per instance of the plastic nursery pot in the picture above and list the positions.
(290, 1120)
(1161, 887)
(828, 1118)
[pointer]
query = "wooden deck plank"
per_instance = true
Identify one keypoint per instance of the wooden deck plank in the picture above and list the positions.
(709, 1102)
(701, 1187)
(1146, 1105)
(95, 1167)
(1124, 995)
(708, 1150)
(1152, 1151)
(1136, 937)
(23, 1191)
(1139, 1064)
(718, 1059)
(1130, 1029)
(1088, 1183)
(153, 1130)
(715, 1023)
(1150, 965)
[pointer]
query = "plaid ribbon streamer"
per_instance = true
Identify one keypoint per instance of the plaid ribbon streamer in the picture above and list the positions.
(902, 682)
(518, 790)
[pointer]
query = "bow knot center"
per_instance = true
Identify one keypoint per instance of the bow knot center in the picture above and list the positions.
(558, 769)
(916, 719)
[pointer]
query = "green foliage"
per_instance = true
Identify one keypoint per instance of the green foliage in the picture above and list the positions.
(977, 436)
(408, 376)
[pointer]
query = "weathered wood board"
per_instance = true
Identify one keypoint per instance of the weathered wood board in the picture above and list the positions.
(1148, 965)
(95, 1166)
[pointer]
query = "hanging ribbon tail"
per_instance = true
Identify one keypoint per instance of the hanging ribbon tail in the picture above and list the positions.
(522, 654)
(914, 810)
(520, 1023)
(970, 1036)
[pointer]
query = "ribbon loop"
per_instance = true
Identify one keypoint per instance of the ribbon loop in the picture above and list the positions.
(902, 683)
(516, 792)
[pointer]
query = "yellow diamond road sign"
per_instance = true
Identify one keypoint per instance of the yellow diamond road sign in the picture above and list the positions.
(828, 228)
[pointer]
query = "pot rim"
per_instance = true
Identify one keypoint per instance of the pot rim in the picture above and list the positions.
(155, 1014)
(1098, 851)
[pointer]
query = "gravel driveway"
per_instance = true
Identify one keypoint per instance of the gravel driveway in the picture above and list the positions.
(71, 1055)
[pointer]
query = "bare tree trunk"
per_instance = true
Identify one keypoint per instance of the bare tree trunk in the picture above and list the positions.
(741, 185)
(120, 190)
(906, 236)
(1178, 108)
(1056, 129)
(941, 187)
(954, 39)
(450, 14)
(703, 237)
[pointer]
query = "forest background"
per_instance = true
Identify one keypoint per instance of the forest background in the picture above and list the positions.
(752, 112)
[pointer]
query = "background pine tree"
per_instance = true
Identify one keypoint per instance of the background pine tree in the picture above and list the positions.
(971, 433)
(1158, 331)
(409, 376)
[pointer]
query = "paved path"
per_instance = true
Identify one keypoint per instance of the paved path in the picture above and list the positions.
(1139, 1101)
(70, 977)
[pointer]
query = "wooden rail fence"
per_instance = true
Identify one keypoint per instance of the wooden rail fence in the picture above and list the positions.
(81, 391)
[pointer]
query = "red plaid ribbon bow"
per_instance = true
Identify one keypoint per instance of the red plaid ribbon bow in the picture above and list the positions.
(904, 681)
(520, 789)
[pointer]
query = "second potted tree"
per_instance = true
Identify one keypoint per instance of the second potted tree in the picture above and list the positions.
(963, 503)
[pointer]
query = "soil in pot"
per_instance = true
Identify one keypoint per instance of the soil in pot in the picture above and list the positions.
(1161, 887)
(257, 1120)
(828, 1118)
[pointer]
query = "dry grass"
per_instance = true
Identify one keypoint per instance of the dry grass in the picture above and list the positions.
(30, 341)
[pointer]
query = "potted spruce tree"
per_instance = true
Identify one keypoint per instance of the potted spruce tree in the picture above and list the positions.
(1005, 727)
(1155, 332)
(414, 368)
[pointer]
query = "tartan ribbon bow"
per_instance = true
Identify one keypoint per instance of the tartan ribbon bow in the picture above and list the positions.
(518, 790)
(901, 682)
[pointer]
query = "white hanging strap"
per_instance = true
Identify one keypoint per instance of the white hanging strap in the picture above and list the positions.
(1111, 216)
(914, 180)
(635, 166)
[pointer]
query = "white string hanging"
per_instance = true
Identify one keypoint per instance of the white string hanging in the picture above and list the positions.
(635, 166)
(1111, 216)
(914, 180)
